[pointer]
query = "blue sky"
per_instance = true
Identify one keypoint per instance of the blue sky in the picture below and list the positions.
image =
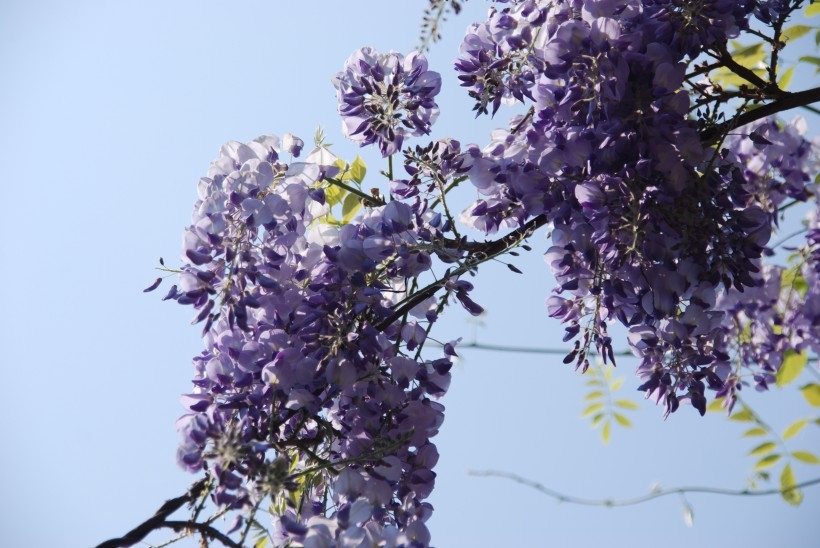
(109, 114)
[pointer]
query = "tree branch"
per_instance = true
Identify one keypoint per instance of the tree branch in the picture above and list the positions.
(561, 497)
(157, 521)
(479, 253)
(787, 101)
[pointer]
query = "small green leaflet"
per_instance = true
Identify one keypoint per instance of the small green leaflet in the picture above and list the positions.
(787, 490)
(767, 461)
(792, 366)
(811, 392)
(795, 31)
(806, 456)
(763, 448)
(756, 431)
(794, 428)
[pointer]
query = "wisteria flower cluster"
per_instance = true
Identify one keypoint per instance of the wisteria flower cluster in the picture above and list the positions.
(316, 394)
(308, 390)
(652, 221)
(384, 97)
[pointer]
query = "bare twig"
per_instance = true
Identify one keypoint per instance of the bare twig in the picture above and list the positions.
(561, 497)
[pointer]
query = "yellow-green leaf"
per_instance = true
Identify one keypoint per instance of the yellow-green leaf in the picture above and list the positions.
(806, 456)
(786, 78)
(627, 404)
(715, 405)
(350, 207)
(590, 409)
(767, 461)
(744, 415)
(605, 431)
(622, 420)
(749, 55)
(261, 543)
(787, 490)
(598, 417)
(726, 78)
(763, 448)
(594, 395)
(792, 279)
(756, 431)
(813, 9)
(792, 366)
(812, 394)
(334, 194)
(794, 428)
(358, 170)
(795, 31)
(616, 384)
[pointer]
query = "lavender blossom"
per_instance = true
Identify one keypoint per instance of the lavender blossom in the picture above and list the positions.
(385, 97)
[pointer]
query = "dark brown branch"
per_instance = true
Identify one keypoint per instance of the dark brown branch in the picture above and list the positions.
(787, 101)
(204, 529)
(157, 521)
(479, 253)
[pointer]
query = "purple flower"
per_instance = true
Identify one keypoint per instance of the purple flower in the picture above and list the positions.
(384, 97)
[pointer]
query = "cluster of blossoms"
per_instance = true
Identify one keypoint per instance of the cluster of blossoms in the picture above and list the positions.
(308, 390)
(654, 225)
(383, 97)
(312, 392)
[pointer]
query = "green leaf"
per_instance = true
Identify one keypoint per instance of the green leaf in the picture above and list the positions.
(806, 456)
(334, 195)
(785, 78)
(794, 428)
(756, 431)
(748, 56)
(744, 415)
(792, 279)
(811, 59)
(726, 78)
(795, 31)
(598, 417)
(767, 461)
(358, 170)
(592, 409)
(715, 405)
(622, 420)
(812, 394)
(813, 9)
(594, 395)
(350, 206)
(627, 404)
(763, 448)
(792, 366)
(261, 543)
(787, 491)
(605, 431)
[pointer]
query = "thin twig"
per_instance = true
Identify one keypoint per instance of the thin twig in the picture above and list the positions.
(561, 497)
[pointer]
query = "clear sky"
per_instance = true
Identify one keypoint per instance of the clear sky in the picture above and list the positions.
(109, 114)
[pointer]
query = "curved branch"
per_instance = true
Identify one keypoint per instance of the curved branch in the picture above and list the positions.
(157, 521)
(479, 253)
(787, 101)
(561, 497)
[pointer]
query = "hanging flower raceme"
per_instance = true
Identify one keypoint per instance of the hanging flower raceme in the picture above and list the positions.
(307, 369)
(649, 223)
(384, 97)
